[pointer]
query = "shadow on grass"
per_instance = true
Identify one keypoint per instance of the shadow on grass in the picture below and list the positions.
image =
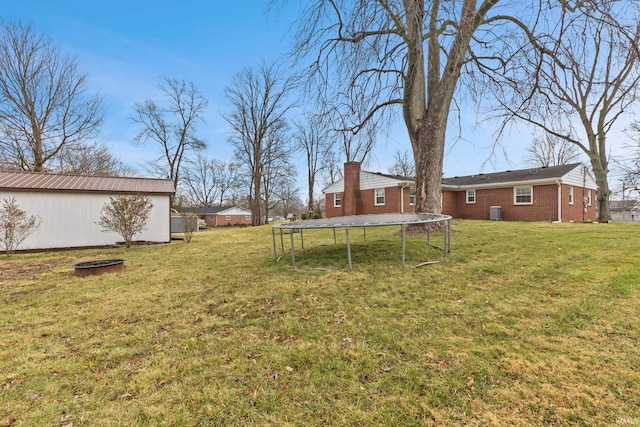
(364, 254)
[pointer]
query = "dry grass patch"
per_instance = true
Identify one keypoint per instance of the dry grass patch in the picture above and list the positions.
(527, 324)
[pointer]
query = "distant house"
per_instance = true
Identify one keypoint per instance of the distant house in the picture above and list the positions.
(69, 206)
(557, 193)
(217, 216)
(625, 210)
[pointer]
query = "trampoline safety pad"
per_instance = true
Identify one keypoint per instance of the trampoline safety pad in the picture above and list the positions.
(441, 222)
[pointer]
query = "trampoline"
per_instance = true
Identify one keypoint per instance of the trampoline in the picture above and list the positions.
(431, 222)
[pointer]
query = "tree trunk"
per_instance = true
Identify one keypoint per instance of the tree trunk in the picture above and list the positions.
(600, 172)
(429, 154)
(311, 182)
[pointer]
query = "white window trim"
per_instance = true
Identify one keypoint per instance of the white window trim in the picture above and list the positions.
(589, 198)
(247, 217)
(375, 197)
(515, 191)
(571, 195)
(227, 217)
(474, 197)
(337, 200)
(412, 197)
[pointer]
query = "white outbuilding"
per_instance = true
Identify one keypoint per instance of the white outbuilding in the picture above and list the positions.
(69, 207)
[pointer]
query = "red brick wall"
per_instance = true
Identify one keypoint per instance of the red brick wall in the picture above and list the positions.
(544, 207)
(573, 212)
(235, 220)
(329, 210)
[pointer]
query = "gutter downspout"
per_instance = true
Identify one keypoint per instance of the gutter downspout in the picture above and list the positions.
(402, 187)
(559, 201)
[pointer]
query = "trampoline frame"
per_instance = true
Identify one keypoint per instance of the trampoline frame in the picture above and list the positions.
(365, 221)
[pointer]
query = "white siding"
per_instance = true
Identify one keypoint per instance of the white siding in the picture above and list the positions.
(234, 211)
(69, 219)
(368, 181)
(579, 177)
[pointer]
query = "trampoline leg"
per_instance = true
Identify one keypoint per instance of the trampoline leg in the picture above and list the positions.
(364, 229)
(346, 230)
(334, 236)
(402, 228)
(293, 251)
(275, 251)
(281, 242)
(301, 238)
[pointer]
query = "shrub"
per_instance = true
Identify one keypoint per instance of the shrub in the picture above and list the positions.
(15, 225)
(126, 215)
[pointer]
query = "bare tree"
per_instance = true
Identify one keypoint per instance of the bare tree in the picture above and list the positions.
(356, 141)
(201, 180)
(127, 215)
(403, 164)
(630, 164)
(209, 181)
(15, 225)
(549, 150)
(90, 160)
(277, 169)
(312, 136)
(189, 225)
(580, 77)
(172, 127)
(410, 54)
(44, 105)
(259, 101)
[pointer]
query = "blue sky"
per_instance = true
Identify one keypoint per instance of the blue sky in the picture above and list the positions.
(126, 46)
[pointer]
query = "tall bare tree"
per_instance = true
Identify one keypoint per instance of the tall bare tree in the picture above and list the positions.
(259, 105)
(580, 77)
(403, 164)
(312, 136)
(44, 104)
(208, 181)
(549, 150)
(172, 127)
(88, 159)
(409, 54)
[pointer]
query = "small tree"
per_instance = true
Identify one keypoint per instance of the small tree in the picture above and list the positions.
(127, 215)
(15, 225)
(189, 225)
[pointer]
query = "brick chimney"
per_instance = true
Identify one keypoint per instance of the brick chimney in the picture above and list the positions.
(351, 195)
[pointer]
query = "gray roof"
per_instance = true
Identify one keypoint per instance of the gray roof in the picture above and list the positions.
(542, 173)
(618, 205)
(39, 181)
(205, 210)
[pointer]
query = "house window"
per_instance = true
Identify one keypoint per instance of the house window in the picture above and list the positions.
(228, 217)
(589, 198)
(523, 195)
(247, 217)
(337, 200)
(412, 196)
(571, 195)
(471, 196)
(379, 197)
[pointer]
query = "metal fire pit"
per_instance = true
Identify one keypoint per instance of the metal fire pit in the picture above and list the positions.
(92, 268)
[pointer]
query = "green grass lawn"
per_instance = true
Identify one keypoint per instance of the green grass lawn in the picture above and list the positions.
(526, 324)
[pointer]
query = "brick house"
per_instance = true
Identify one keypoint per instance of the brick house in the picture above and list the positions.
(556, 193)
(218, 216)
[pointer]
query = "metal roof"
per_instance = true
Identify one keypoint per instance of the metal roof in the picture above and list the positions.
(38, 181)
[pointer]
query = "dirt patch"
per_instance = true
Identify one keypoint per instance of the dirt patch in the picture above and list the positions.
(12, 272)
